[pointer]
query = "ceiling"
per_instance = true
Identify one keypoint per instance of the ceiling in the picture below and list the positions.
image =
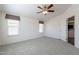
(30, 10)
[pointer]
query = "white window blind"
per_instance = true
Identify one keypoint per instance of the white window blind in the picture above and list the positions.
(13, 27)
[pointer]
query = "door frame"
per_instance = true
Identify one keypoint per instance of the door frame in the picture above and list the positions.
(67, 29)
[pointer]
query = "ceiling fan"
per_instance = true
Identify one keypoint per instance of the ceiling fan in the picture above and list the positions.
(45, 9)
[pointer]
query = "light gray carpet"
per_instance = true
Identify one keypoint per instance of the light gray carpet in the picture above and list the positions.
(39, 46)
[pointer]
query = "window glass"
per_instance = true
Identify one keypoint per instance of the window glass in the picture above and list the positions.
(41, 27)
(13, 27)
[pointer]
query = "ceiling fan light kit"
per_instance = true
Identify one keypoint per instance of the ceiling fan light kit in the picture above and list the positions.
(45, 9)
(45, 12)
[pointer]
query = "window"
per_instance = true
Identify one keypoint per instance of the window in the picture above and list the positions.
(41, 26)
(13, 24)
(13, 27)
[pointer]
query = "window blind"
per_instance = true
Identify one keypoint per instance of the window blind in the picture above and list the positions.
(13, 17)
(42, 22)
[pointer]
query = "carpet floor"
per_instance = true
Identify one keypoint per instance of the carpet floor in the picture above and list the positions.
(39, 46)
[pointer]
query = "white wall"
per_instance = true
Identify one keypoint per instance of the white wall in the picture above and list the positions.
(29, 29)
(56, 27)
(52, 28)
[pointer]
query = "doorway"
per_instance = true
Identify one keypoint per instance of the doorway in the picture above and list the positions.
(71, 21)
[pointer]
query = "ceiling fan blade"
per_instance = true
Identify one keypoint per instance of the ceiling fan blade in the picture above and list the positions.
(50, 6)
(39, 12)
(39, 7)
(50, 10)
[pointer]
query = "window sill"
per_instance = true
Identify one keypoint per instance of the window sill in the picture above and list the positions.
(13, 35)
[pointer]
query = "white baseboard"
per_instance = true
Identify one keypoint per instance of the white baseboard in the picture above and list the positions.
(49, 35)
